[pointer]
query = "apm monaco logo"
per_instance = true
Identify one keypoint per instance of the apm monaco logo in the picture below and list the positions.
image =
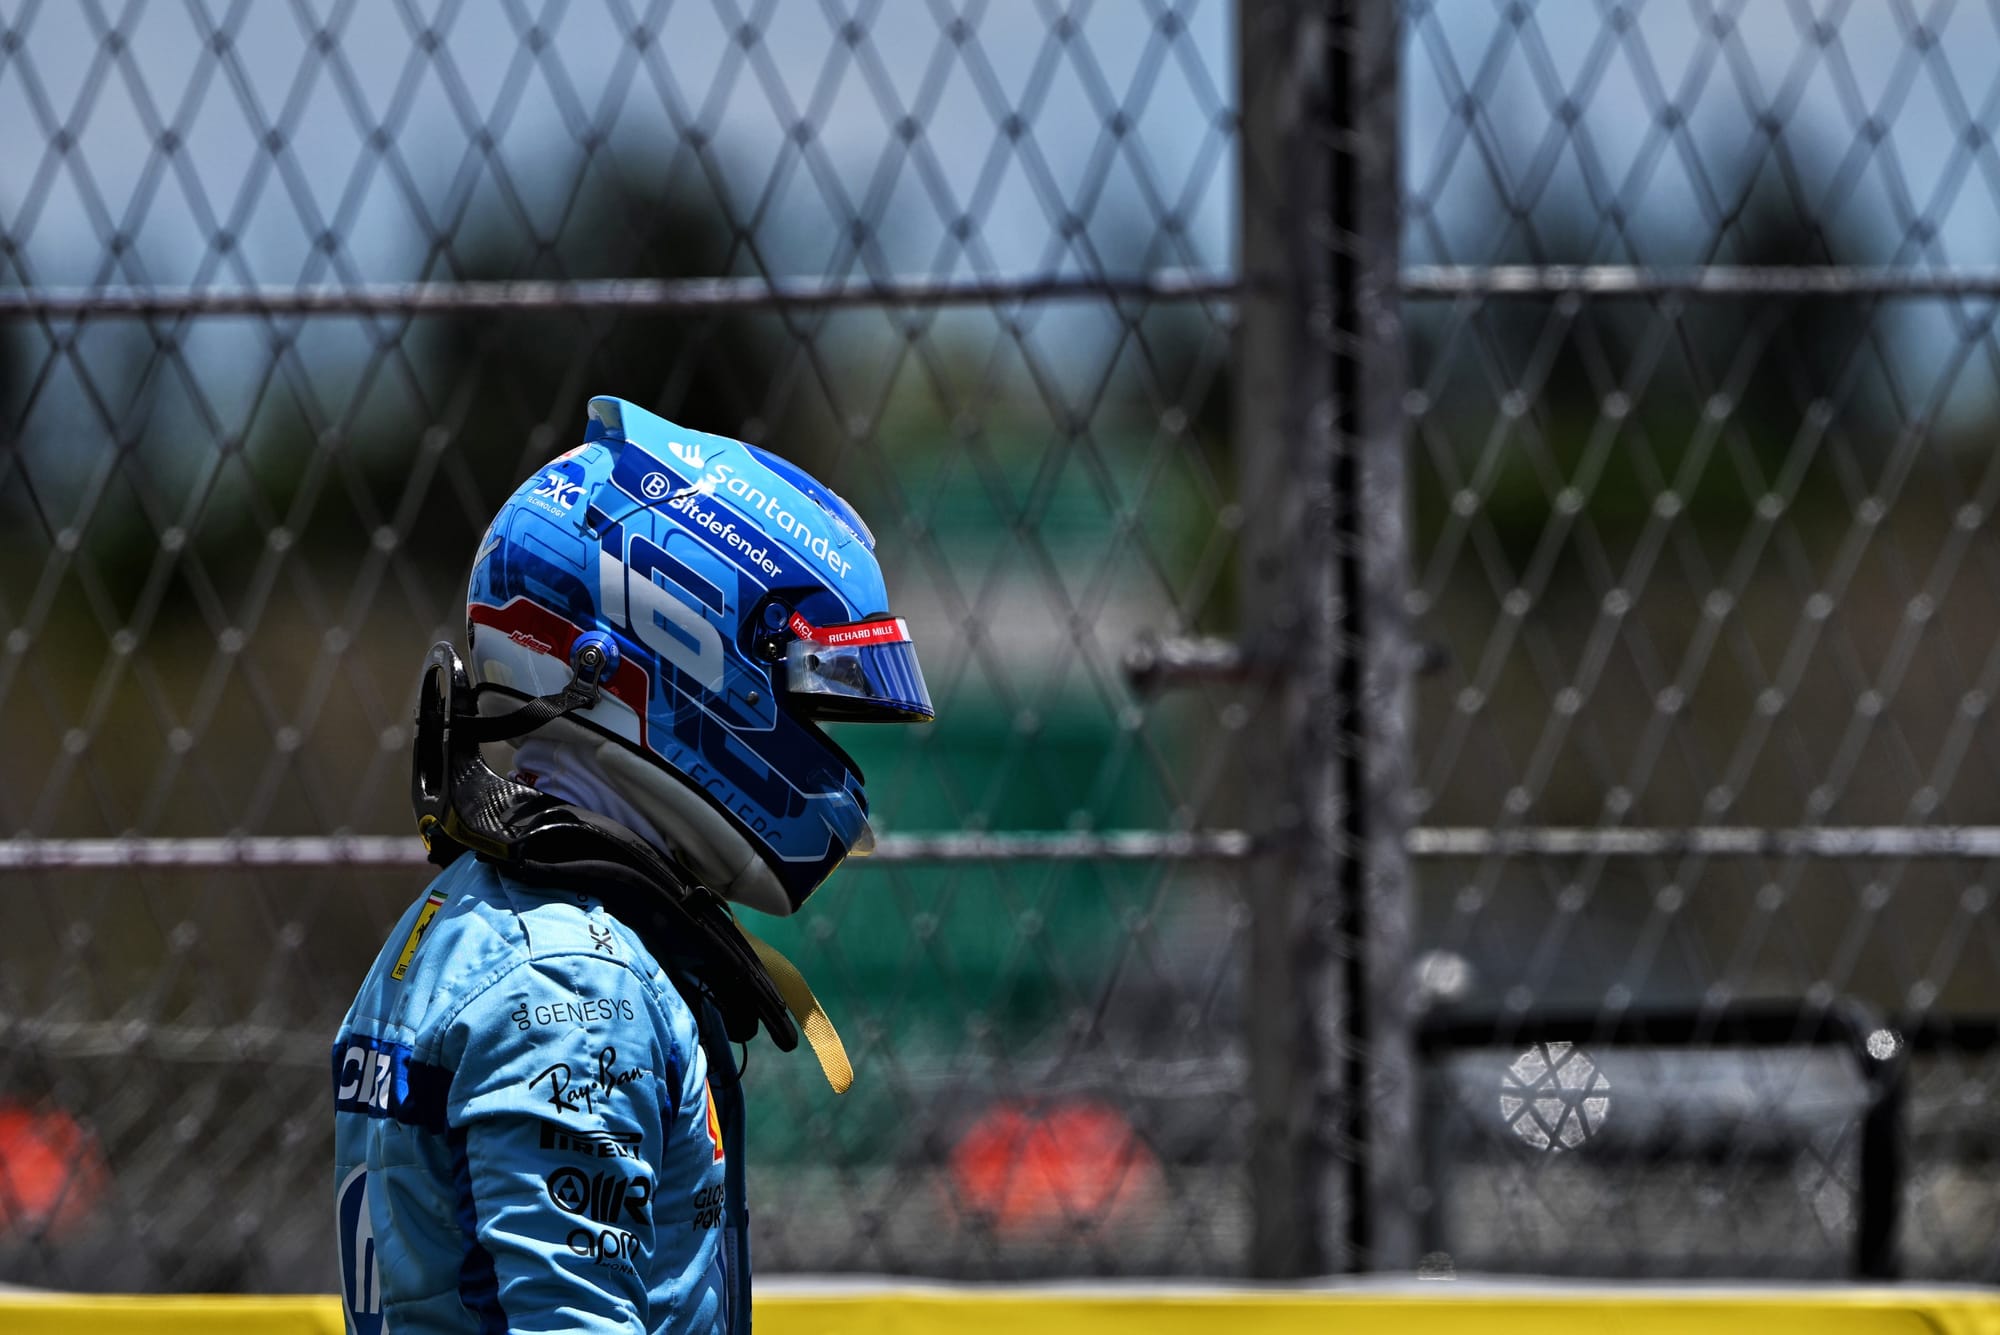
(1554, 1097)
(611, 1248)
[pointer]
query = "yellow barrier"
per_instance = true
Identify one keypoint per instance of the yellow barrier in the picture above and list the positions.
(122, 1314)
(1443, 1309)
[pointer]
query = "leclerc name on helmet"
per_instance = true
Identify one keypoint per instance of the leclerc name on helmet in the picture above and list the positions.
(723, 578)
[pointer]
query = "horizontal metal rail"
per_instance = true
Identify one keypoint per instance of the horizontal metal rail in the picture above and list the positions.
(615, 294)
(1418, 283)
(180, 1042)
(249, 852)
(1067, 846)
(1715, 841)
(1207, 1073)
(1442, 281)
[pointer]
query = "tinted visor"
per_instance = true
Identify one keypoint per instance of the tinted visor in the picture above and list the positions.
(863, 672)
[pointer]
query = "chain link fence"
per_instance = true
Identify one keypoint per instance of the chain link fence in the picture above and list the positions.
(1450, 544)
(1700, 423)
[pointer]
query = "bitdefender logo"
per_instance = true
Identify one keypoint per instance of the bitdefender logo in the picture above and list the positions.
(722, 477)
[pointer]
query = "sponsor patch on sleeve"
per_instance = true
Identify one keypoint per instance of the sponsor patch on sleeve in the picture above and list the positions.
(714, 1123)
(432, 903)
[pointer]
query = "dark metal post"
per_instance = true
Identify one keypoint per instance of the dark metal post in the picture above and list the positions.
(1283, 1056)
(1372, 549)
(1877, 1251)
(1319, 436)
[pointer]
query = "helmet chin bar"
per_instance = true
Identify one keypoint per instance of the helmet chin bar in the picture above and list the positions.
(455, 715)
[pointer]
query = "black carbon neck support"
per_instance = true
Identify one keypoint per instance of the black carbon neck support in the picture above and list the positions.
(463, 806)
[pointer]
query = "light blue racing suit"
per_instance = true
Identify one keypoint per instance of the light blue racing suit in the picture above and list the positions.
(526, 1133)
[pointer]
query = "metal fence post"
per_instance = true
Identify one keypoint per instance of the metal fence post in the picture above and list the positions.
(1319, 393)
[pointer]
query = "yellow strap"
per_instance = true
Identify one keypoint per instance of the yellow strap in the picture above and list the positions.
(805, 1008)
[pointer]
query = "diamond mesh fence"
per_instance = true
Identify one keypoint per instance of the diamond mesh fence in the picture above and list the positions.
(1700, 425)
(299, 294)
(1688, 411)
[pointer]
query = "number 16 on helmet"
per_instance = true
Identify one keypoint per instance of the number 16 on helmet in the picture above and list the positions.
(738, 605)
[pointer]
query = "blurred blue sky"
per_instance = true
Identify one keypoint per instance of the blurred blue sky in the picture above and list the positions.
(1821, 72)
(1882, 113)
(590, 78)
(297, 161)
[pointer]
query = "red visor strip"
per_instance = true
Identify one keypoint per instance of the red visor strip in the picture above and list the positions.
(893, 630)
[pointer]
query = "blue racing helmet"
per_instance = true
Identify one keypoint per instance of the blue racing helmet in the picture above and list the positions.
(740, 604)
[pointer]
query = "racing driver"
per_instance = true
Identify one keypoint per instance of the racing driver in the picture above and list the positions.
(538, 1118)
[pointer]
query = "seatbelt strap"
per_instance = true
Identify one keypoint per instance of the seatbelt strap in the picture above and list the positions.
(805, 1008)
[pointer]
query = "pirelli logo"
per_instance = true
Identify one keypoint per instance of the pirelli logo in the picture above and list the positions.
(432, 903)
(591, 1144)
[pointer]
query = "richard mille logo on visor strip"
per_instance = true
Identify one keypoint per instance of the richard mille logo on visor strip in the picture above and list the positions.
(891, 631)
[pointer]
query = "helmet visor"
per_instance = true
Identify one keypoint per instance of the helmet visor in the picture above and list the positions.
(862, 672)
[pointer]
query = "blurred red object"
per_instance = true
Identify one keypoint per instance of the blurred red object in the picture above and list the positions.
(1029, 1168)
(51, 1172)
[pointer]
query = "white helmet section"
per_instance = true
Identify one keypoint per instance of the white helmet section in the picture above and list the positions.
(522, 665)
(721, 858)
